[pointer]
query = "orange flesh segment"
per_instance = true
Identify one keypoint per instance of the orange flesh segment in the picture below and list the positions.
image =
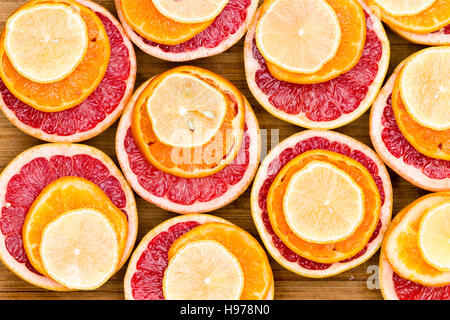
(353, 30)
(146, 20)
(75, 88)
(334, 252)
(257, 272)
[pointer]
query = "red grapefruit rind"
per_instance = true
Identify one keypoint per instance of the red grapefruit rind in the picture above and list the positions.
(252, 66)
(109, 119)
(385, 214)
(233, 192)
(188, 55)
(386, 281)
(438, 38)
(406, 171)
(66, 149)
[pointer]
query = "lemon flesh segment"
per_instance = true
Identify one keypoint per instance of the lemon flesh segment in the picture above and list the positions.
(399, 8)
(46, 42)
(190, 11)
(323, 204)
(203, 270)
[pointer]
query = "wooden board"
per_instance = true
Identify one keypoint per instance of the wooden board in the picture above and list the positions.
(353, 284)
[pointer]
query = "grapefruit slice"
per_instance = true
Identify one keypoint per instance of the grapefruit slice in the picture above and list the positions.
(30, 172)
(353, 37)
(273, 164)
(398, 8)
(80, 81)
(226, 30)
(96, 113)
(437, 38)
(395, 150)
(190, 11)
(325, 105)
(187, 195)
(144, 276)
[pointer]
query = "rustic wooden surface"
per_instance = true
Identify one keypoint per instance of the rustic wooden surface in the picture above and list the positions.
(353, 284)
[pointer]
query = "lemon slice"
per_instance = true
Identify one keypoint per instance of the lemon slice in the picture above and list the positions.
(434, 236)
(399, 8)
(323, 204)
(424, 86)
(46, 42)
(203, 270)
(186, 111)
(190, 11)
(298, 35)
(79, 249)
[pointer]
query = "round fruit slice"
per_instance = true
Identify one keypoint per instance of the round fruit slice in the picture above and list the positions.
(226, 30)
(326, 105)
(353, 37)
(257, 272)
(401, 245)
(78, 82)
(30, 172)
(98, 111)
(434, 236)
(46, 42)
(422, 171)
(437, 38)
(298, 35)
(60, 196)
(203, 270)
(79, 249)
(277, 159)
(187, 195)
(404, 7)
(190, 11)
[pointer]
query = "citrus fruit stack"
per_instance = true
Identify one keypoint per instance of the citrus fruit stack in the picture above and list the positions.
(66, 69)
(410, 119)
(321, 202)
(316, 64)
(185, 30)
(421, 21)
(188, 141)
(69, 219)
(198, 257)
(415, 257)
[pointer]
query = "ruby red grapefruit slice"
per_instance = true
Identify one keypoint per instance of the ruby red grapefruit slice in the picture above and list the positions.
(422, 171)
(272, 165)
(95, 114)
(437, 38)
(187, 195)
(227, 29)
(30, 172)
(325, 105)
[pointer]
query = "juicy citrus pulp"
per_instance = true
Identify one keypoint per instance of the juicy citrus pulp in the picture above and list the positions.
(190, 11)
(79, 249)
(203, 270)
(404, 7)
(298, 35)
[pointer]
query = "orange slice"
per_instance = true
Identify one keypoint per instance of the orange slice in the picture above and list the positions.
(190, 11)
(197, 159)
(429, 20)
(353, 29)
(404, 7)
(144, 18)
(79, 84)
(203, 270)
(62, 195)
(298, 35)
(328, 252)
(255, 265)
(79, 249)
(401, 243)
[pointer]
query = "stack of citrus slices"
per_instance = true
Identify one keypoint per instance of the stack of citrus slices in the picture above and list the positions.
(66, 69)
(421, 21)
(69, 219)
(198, 257)
(316, 63)
(185, 30)
(415, 257)
(188, 141)
(321, 202)
(410, 120)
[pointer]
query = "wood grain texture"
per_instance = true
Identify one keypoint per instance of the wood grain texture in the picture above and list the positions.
(352, 284)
